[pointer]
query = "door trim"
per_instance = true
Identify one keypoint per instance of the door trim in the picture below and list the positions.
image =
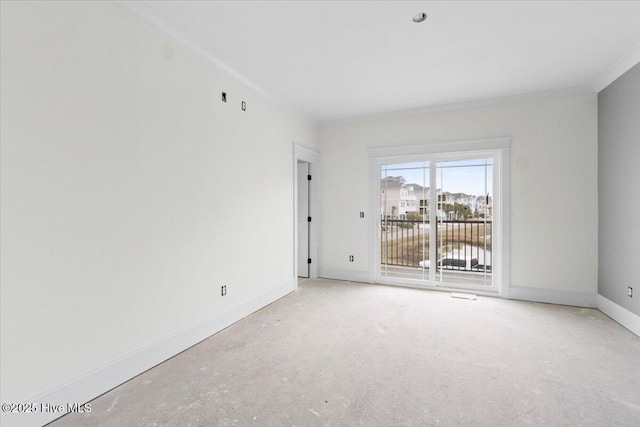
(502, 150)
(309, 156)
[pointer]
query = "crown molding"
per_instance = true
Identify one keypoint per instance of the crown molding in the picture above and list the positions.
(145, 12)
(480, 103)
(624, 64)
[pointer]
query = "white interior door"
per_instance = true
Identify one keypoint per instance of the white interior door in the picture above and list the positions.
(303, 222)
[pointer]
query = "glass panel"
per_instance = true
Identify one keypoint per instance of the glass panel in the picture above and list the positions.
(404, 220)
(464, 221)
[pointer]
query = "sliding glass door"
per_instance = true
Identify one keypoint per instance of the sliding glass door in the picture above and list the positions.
(437, 221)
(464, 221)
(404, 227)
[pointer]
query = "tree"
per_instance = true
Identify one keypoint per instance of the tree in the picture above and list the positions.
(447, 208)
(461, 211)
(414, 216)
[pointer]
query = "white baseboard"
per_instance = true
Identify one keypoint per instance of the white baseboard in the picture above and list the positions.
(103, 379)
(348, 275)
(99, 381)
(553, 296)
(620, 314)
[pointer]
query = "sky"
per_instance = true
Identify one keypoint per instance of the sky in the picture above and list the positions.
(460, 176)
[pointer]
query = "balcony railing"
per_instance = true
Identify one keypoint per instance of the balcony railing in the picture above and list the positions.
(460, 245)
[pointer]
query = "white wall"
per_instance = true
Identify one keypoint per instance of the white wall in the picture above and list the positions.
(554, 202)
(124, 191)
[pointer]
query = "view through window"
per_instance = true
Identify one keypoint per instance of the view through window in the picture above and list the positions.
(452, 219)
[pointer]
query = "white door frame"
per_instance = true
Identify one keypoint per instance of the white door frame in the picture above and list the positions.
(502, 149)
(306, 155)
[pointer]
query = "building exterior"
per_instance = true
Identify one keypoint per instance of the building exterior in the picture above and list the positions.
(397, 198)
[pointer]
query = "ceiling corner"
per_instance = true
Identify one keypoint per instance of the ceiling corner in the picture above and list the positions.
(623, 65)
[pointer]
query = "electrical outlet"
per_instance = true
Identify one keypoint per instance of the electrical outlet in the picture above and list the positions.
(630, 291)
(244, 106)
(351, 258)
(223, 290)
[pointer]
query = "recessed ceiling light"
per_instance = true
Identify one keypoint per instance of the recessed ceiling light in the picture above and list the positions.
(419, 17)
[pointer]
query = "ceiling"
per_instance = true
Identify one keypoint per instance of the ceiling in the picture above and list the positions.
(334, 60)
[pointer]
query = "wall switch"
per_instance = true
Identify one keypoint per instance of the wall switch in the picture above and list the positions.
(361, 214)
(223, 290)
(224, 97)
(630, 291)
(244, 106)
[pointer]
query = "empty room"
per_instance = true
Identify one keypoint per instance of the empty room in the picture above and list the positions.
(301, 213)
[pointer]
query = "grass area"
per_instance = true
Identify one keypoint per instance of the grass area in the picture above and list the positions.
(468, 234)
